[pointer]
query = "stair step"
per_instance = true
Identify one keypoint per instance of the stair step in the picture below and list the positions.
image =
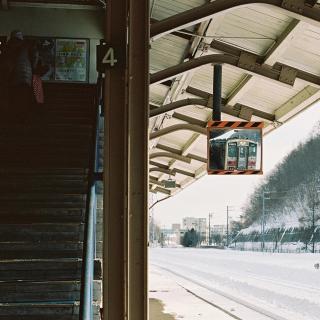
(41, 232)
(48, 130)
(26, 292)
(62, 311)
(47, 163)
(44, 270)
(80, 188)
(26, 215)
(40, 197)
(68, 171)
(40, 250)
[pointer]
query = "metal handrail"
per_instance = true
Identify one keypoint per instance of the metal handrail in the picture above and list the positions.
(90, 244)
(87, 310)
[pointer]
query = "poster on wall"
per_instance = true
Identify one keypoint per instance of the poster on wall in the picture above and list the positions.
(71, 59)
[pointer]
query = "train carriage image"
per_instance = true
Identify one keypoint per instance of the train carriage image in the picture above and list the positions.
(235, 150)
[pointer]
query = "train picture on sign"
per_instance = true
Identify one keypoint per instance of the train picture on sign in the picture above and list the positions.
(234, 150)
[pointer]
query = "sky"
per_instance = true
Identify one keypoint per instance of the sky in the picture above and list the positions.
(212, 194)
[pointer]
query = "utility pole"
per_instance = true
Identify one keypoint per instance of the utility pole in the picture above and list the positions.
(314, 203)
(313, 227)
(210, 216)
(262, 223)
(227, 226)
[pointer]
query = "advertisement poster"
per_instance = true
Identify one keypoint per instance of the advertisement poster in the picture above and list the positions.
(71, 60)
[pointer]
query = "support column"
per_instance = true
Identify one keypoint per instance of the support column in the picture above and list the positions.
(125, 294)
(138, 158)
(115, 250)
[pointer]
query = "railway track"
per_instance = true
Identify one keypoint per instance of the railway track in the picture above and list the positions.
(252, 311)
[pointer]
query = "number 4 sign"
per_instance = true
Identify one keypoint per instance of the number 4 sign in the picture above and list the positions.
(105, 57)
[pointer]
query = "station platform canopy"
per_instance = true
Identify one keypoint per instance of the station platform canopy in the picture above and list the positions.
(270, 55)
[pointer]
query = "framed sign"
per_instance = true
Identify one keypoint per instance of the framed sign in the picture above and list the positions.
(234, 147)
(71, 60)
(67, 59)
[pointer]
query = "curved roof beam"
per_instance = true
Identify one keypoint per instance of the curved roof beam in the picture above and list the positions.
(179, 152)
(193, 16)
(176, 170)
(156, 111)
(233, 60)
(234, 51)
(161, 190)
(177, 127)
(170, 155)
(160, 183)
(178, 104)
(162, 170)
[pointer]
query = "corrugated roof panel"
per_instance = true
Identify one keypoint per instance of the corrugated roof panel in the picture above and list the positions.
(303, 51)
(162, 160)
(176, 139)
(200, 148)
(157, 94)
(254, 28)
(194, 111)
(154, 174)
(203, 79)
(190, 167)
(166, 52)
(267, 96)
(162, 9)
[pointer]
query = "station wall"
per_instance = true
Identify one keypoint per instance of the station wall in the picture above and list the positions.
(57, 22)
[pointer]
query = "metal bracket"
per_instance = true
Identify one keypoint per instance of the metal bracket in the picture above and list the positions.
(247, 61)
(204, 47)
(294, 5)
(288, 75)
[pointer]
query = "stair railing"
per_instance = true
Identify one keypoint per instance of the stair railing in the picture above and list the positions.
(90, 241)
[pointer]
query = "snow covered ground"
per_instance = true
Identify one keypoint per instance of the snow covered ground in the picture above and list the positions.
(249, 285)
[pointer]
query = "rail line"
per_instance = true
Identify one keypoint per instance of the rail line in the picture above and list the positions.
(267, 314)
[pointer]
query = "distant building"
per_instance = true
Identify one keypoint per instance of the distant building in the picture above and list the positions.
(198, 224)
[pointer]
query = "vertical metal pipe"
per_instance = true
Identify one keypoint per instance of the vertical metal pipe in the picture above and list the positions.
(210, 229)
(87, 310)
(227, 226)
(217, 85)
(313, 227)
(263, 220)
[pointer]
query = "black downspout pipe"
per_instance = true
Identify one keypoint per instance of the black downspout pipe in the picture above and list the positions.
(217, 84)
